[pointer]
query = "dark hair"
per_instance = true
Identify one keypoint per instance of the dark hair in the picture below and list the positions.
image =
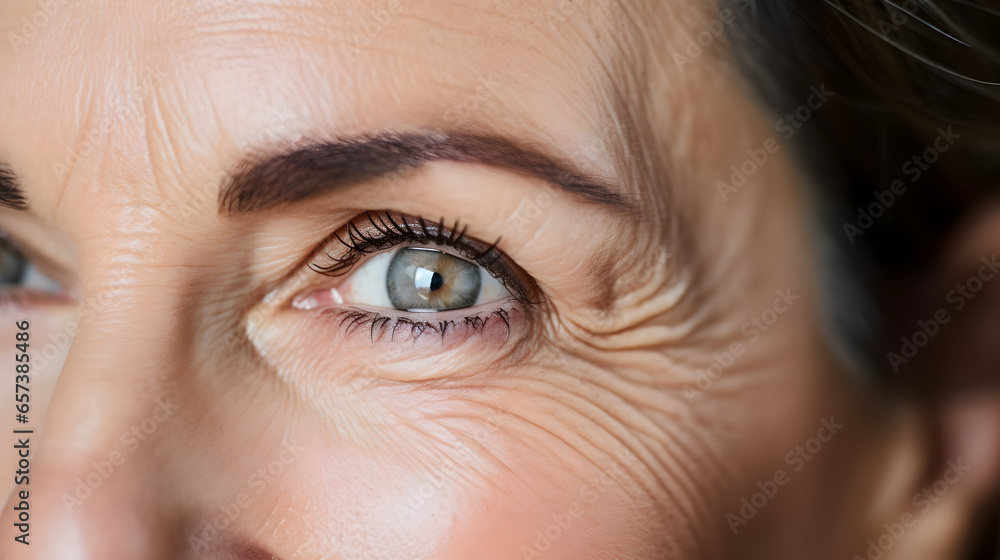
(903, 71)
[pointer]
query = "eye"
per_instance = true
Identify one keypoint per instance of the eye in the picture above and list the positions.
(16, 271)
(421, 279)
(391, 262)
(395, 273)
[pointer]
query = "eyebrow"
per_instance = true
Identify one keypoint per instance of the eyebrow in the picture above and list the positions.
(11, 195)
(325, 166)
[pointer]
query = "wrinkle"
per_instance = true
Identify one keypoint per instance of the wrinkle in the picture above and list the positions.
(155, 120)
(89, 112)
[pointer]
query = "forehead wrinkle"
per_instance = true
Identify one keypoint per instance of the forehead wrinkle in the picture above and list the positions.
(595, 96)
(654, 104)
(398, 79)
(616, 78)
(79, 96)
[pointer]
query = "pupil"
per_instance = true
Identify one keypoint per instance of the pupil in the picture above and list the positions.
(436, 282)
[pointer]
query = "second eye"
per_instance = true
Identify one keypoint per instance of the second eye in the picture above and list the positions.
(418, 279)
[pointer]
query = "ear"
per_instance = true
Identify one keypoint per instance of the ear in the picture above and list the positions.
(952, 345)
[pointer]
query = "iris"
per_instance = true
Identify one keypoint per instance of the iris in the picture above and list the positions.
(422, 279)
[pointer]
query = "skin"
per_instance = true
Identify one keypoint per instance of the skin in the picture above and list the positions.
(586, 413)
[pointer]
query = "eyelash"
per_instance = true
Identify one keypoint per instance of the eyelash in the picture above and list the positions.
(379, 325)
(392, 231)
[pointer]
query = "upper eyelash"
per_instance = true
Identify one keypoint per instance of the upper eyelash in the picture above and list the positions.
(393, 231)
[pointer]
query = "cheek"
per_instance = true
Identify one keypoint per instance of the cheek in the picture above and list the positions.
(452, 508)
(453, 481)
(544, 516)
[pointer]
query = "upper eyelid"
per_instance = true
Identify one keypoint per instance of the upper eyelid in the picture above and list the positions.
(357, 243)
(393, 232)
(397, 229)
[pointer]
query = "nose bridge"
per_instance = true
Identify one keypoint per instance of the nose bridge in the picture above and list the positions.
(93, 483)
(117, 369)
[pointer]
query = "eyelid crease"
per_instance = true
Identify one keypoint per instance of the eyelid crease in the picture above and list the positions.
(385, 230)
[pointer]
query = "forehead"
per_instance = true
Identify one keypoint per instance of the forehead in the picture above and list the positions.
(149, 99)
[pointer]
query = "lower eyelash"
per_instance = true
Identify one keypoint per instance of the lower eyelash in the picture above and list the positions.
(381, 325)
